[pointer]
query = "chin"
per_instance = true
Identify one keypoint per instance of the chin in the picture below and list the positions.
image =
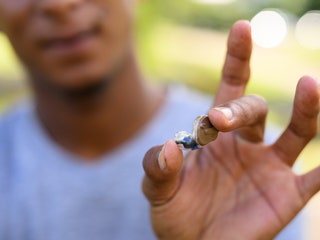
(85, 90)
(83, 84)
(74, 82)
(81, 75)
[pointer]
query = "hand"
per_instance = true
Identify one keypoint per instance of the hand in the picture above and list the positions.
(236, 187)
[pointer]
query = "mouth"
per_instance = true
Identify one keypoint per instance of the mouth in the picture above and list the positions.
(70, 42)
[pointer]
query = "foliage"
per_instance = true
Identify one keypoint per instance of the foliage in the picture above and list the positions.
(218, 16)
(313, 5)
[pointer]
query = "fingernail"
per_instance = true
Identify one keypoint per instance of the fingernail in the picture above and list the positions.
(161, 159)
(226, 112)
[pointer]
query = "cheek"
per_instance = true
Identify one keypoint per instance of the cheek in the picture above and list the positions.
(14, 15)
(117, 24)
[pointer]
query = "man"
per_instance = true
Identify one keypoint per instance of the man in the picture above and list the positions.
(70, 160)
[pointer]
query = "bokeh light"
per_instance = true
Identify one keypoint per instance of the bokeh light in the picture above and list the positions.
(308, 30)
(269, 28)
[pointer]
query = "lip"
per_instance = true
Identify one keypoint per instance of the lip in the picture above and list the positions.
(70, 43)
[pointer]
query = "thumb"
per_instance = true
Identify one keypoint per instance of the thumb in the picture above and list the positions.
(162, 167)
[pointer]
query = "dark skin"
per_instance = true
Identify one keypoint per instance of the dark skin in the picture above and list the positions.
(72, 45)
(69, 46)
(82, 125)
(236, 187)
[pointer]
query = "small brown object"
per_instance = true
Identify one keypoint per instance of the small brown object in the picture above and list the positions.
(203, 131)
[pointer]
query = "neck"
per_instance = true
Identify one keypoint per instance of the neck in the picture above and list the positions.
(93, 124)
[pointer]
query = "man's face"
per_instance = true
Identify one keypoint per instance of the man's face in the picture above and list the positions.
(71, 43)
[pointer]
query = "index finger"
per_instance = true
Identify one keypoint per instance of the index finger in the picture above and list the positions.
(236, 69)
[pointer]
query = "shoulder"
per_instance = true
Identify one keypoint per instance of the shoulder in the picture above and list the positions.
(10, 118)
(186, 101)
(189, 97)
(10, 124)
(181, 107)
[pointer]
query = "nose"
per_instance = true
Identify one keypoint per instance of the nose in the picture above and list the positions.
(57, 8)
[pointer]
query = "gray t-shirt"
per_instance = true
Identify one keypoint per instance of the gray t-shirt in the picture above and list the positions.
(47, 193)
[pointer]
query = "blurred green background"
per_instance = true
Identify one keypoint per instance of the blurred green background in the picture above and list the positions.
(185, 41)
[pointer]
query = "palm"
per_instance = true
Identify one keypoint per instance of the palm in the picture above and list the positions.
(232, 179)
